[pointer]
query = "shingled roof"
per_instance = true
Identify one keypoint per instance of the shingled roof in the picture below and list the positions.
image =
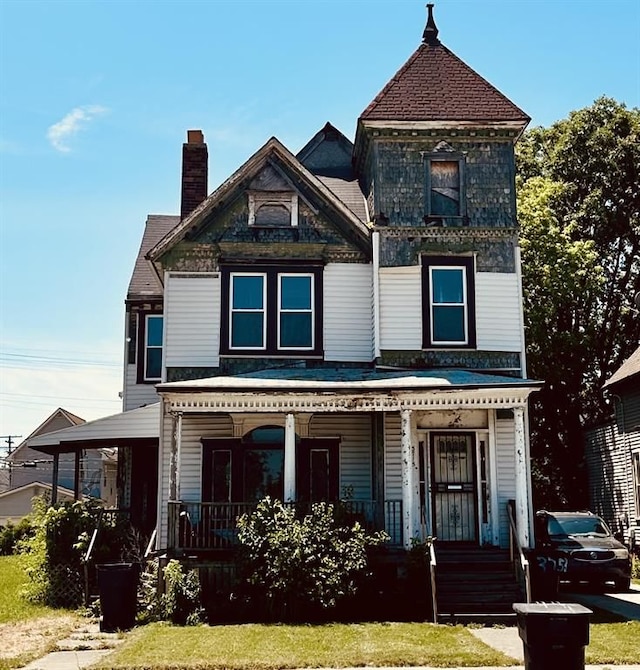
(144, 281)
(435, 85)
(628, 369)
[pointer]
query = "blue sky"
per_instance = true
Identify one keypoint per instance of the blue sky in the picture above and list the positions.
(96, 99)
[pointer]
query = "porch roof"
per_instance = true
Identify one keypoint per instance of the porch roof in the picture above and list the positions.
(345, 380)
(137, 426)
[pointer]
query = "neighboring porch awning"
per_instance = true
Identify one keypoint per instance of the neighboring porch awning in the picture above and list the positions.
(126, 428)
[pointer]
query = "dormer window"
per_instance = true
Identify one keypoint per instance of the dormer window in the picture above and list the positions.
(273, 209)
(444, 183)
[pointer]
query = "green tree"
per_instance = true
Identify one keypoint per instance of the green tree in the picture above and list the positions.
(579, 210)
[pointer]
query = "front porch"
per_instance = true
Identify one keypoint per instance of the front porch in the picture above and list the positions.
(208, 529)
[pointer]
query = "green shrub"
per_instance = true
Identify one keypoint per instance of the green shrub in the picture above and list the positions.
(635, 566)
(55, 551)
(293, 566)
(12, 534)
(181, 601)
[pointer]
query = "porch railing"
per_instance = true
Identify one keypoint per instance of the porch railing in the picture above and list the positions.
(204, 526)
(516, 553)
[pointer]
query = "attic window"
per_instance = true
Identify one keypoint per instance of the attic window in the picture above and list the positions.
(273, 209)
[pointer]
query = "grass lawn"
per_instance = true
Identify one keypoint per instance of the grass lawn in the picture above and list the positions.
(260, 647)
(13, 608)
(27, 631)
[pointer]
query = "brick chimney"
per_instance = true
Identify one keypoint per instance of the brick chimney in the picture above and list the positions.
(195, 172)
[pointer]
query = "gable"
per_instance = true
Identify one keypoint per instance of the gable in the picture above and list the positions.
(273, 207)
(328, 153)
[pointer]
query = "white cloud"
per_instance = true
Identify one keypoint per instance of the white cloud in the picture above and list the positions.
(77, 118)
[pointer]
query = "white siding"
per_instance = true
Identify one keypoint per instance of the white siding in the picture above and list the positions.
(498, 312)
(506, 474)
(136, 395)
(192, 320)
(193, 429)
(355, 449)
(392, 457)
(401, 308)
(347, 328)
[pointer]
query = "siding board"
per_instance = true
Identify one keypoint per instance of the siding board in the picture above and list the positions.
(498, 312)
(355, 450)
(506, 474)
(192, 320)
(347, 312)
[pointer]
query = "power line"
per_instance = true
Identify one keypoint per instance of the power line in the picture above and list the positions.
(59, 397)
(28, 359)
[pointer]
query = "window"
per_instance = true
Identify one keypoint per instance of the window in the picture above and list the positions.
(448, 302)
(273, 209)
(248, 469)
(248, 304)
(445, 195)
(153, 348)
(272, 310)
(149, 347)
(295, 309)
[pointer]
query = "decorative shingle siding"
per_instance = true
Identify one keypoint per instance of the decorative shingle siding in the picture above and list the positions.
(398, 178)
(493, 251)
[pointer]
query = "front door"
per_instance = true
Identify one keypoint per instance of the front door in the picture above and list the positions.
(453, 487)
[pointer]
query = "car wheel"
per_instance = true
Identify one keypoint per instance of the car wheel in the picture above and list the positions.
(623, 585)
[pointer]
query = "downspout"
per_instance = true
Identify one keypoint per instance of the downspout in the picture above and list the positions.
(375, 238)
(523, 368)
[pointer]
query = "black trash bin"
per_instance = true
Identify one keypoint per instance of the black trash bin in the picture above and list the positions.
(545, 579)
(554, 634)
(118, 585)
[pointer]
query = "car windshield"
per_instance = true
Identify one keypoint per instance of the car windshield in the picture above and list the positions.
(577, 526)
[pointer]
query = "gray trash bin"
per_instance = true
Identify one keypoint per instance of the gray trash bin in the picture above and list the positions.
(118, 587)
(554, 634)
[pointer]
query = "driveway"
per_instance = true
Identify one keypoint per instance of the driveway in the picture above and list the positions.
(626, 605)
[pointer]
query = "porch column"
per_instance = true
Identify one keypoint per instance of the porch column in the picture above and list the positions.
(54, 478)
(522, 479)
(76, 475)
(174, 460)
(289, 458)
(410, 480)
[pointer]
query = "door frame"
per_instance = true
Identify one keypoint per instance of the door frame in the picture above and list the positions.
(484, 465)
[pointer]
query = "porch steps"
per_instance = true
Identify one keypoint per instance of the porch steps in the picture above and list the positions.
(475, 585)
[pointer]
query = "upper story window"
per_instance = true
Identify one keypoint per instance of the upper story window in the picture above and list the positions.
(153, 347)
(272, 310)
(273, 208)
(445, 194)
(448, 302)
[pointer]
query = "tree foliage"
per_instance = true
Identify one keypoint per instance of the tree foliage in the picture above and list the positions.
(579, 211)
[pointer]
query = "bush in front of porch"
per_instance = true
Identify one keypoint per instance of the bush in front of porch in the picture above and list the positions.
(301, 567)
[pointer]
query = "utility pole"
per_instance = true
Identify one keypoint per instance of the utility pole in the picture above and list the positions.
(9, 439)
